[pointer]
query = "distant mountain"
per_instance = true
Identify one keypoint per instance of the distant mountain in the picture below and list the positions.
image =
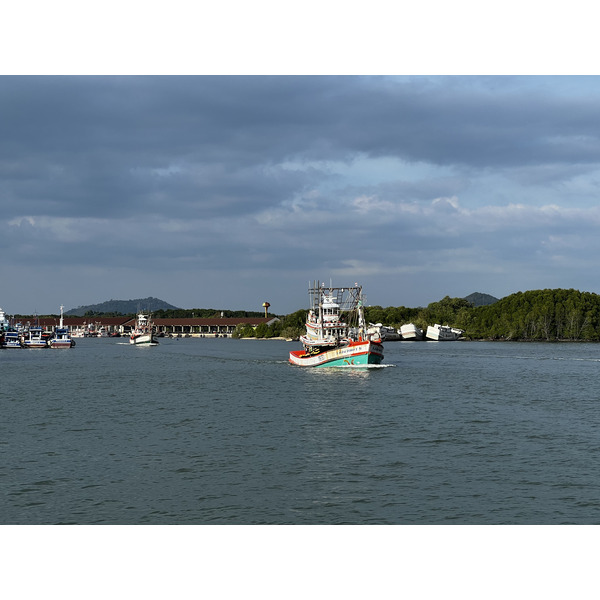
(123, 307)
(479, 299)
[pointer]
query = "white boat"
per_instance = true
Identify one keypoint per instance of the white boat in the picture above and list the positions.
(142, 333)
(61, 337)
(35, 337)
(4, 322)
(443, 333)
(336, 334)
(386, 334)
(12, 339)
(411, 332)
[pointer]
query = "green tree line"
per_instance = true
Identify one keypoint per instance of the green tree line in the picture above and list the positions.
(290, 326)
(550, 314)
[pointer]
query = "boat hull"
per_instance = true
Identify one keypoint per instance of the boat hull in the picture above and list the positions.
(61, 343)
(142, 340)
(356, 354)
(439, 333)
(35, 344)
(411, 332)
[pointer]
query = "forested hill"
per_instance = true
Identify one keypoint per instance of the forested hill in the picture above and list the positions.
(557, 314)
(538, 315)
(479, 299)
(121, 307)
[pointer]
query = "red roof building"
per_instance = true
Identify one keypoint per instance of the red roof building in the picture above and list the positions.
(223, 326)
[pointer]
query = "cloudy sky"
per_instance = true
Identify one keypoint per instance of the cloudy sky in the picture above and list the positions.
(226, 191)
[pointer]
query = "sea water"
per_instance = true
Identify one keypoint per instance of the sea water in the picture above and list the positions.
(223, 431)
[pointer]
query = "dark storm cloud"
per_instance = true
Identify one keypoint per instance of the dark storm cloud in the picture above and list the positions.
(256, 176)
(118, 145)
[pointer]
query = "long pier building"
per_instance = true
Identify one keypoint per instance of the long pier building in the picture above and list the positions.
(193, 326)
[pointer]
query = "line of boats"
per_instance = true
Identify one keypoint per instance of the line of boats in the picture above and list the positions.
(19, 335)
(33, 336)
(410, 332)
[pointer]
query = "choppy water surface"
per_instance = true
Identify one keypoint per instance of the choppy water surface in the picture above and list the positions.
(199, 431)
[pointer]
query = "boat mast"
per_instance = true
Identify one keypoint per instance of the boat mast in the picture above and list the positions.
(320, 318)
(361, 311)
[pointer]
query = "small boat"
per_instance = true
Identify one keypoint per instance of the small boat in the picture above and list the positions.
(5, 328)
(443, 333)
(411, 332)
(61, 337)
(336, 334)
(143, 334)
(387, 334)
(4, 322)
(35, 337)
(12, 339)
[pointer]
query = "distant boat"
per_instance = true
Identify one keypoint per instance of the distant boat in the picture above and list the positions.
(4, 328)
(4, 322)
(10, 336)
(35, 337)
(387, 334)
(61, 337)
(336, 334)
(443, 333)
(142, 333)
(411, 332)
(12, 339)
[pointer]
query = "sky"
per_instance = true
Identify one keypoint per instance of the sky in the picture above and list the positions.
(226, 189)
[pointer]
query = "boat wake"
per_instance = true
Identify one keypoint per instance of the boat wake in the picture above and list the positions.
(359, 367)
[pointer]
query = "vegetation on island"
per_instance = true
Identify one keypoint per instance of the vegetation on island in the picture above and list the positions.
(290, 327)
(537, 315)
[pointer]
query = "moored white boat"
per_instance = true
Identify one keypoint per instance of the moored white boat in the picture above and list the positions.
(4, 322)
(385, 333)
(411, 332)
(443, 333)
(336, 334)
(142, 333)
(61, 337)
(35, 337)
(12, 339)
